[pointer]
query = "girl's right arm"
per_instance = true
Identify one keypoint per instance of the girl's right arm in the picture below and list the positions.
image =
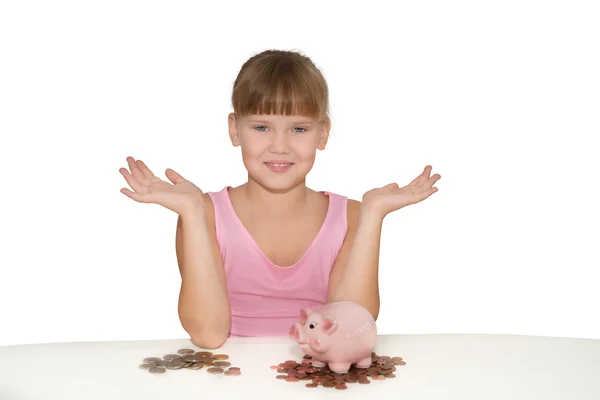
(204, 309)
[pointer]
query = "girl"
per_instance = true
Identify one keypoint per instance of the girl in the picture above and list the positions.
(251, 256)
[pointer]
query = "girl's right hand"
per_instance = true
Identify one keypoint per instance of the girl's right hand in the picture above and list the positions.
(180, 197)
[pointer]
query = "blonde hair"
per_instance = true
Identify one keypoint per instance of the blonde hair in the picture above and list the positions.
(281, 82)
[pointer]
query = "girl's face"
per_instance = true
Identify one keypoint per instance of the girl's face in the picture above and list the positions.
(278, 150)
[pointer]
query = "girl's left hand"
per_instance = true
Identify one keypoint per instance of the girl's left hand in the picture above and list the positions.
(391, 197)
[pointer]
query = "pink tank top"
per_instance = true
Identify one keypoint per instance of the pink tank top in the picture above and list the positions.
(265, 298)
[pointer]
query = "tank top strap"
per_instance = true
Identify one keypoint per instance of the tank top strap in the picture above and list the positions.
(338, 208)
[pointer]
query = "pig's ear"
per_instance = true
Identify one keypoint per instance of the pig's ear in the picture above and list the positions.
(304, 315)
(329, 325)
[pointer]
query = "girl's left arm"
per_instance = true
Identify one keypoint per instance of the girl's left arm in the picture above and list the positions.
(355, 274)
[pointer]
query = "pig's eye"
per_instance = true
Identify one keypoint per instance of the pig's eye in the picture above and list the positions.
(312, 325)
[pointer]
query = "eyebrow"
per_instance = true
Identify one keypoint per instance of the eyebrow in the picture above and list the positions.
(298, 122)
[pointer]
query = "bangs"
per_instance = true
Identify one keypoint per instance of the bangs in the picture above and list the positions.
(282, 87)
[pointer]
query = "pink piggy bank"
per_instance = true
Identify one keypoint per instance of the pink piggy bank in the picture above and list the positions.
(338, 334)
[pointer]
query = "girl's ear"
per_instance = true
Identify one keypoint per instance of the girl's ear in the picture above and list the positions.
(325, 129)
(233, 129)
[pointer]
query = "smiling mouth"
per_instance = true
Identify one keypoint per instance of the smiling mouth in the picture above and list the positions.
(279, 164)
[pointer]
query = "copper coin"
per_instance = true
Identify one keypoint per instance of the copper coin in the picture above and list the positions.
(401, 363)
(204, 353)
(390, 376)
(221, 357)
(215, 370)
(196, 366)
(157, 370)
(312, 385)
(281, 376)
(232, 372)
(328, 384)
(341, 386)
(221, 363)
(291, 379)
(364, 382)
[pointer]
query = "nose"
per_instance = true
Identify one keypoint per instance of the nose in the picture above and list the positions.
(279, 143)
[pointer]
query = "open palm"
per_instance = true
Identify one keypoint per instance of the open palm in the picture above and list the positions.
(391, 197)
(148, 188)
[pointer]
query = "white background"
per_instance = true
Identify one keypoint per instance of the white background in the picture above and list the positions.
(501, 98)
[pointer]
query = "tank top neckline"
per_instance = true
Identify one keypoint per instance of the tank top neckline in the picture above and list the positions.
(246, 233)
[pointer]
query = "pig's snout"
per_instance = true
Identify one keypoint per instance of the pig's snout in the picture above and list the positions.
(296, 333)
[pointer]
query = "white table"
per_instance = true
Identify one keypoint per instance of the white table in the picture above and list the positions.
(465, 367)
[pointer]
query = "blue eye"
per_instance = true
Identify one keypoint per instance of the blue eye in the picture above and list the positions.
(303, 130)
(259, 128)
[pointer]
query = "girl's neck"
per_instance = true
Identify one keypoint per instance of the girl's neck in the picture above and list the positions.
(276, 202)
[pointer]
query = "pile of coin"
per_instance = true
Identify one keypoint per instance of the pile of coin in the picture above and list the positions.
(382, 367)
(190, 359)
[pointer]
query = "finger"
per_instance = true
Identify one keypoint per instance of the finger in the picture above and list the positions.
(133, 183)
(430, 182)
(146, 172)
(135, 170)
(139, 197)
(174, 176)
(421, 178)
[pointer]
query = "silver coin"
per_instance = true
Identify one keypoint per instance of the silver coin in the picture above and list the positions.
(149, 360)
(196, 366)
(192, 358)
(171, 357)
(175, 365)
(147, 366)
(185, 351)
(157, 370)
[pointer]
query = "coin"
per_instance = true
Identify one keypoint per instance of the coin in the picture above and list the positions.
(232, 372)
(215, 370)
(221, 363)
(156, 370)
(171, 357)
(192, 358)
(221, 357)
(381, 368)
(204, 353)
(147, 366)
(185, 351)
(196, 366)
(151, 359)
